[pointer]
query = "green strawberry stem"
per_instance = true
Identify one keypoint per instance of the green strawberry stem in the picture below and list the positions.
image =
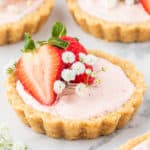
(58, 42)
(58, 30)
(29, 44)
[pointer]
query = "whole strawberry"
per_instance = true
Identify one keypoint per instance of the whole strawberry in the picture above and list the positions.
(74, 46)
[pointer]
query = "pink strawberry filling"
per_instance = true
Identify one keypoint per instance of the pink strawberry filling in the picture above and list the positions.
(143, 146)
(121, 13)
(13, 10)
(114, 90)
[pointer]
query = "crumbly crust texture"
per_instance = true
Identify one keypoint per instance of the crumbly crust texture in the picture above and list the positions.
(57, 127)
(134, 142)
(14, 32)
(109, 31)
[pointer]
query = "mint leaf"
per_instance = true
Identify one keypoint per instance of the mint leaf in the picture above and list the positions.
(29, 44)
(58, 30)
(58, 42)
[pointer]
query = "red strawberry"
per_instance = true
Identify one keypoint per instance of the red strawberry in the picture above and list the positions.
(74, 46)
(84, 78)
(38, 72)
(146, 5)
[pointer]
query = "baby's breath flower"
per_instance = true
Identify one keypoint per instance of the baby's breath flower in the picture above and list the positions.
(103, 69)
(68, 57)
(97, 81)
(68, 75)
(88, 71)
(90, 59)
(19, 146)
(59, 86)
(6, 142)
(82, 57)
(81, 89)
(93, 74)
(5, 138)
(4, 132)
(78, 68)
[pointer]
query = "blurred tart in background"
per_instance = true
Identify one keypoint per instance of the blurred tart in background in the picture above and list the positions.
(20, 16)
(113, 20)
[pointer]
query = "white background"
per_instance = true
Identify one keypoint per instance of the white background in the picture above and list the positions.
(137, 53)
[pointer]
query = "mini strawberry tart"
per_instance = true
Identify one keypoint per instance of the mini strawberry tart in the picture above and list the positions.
(63, 90)
(113, 20)
(139, 143)
(20, 16)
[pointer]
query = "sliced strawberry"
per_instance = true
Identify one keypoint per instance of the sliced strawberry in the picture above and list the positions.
(84, 78)
(74, 46)
(146, 5)
(38, 71)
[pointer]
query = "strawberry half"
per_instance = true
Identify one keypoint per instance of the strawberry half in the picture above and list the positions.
(74, 46)
(38, 71)
(146, 5)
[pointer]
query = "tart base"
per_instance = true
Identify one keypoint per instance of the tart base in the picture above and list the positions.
(108, 31)
(31, 23)
(57, 127)
(134, 142)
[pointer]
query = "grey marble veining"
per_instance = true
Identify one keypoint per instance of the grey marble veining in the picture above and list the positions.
(138, 53)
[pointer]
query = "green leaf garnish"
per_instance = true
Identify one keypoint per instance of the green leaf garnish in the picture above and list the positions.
(29, 44)
(58, 42)
(58, 30)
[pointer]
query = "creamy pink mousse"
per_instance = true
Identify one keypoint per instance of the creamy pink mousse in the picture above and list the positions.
(114, 90)
(122, 13)
(143, 146)
(13, 10)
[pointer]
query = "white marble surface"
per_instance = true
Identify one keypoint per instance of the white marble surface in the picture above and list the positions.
(137, 53)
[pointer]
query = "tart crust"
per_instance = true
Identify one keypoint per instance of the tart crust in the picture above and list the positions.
(108, 31)
(134, 142)
(29, 23)
(57, 127)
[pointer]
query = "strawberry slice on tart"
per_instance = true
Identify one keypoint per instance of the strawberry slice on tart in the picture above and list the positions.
(38, 71)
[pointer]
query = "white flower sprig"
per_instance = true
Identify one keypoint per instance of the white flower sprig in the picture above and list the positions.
(68, 57)
(88, 59)
(81, 89)
(59, 86)
(6, 142)
(82, 57)
(78, 68)
(68, 75)
(88, 72)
